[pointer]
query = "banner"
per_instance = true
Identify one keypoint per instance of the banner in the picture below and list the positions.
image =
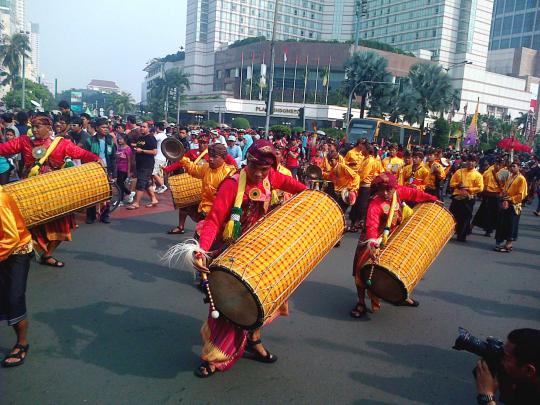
(472, 133)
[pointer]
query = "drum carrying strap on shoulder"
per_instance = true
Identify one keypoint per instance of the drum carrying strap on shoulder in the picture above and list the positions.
(34, 171)
(200, 156)
(386, 232)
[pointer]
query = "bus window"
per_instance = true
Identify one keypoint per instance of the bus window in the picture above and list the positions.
(412, 136)
(360, 128)
(390, 133)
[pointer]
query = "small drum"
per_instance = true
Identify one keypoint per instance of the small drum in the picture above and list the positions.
(52, 195)
(185, 189)
(253, 277)
(409, 252)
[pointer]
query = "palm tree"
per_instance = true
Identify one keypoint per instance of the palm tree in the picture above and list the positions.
(161, 88)
(12, 51)
(432, 88)
(365, 67)
(121, 103)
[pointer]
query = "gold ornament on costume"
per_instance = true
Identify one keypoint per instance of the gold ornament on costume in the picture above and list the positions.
(38, 152)
(255, 194)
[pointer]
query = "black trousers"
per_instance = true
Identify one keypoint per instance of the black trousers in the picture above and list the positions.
(462, 211)
(13, 277)
(507, 225)
(91, 213)
(359, 209)
(121, 178)
(487, 215)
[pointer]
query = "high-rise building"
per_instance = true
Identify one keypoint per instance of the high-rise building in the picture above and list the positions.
(516, 23)
(215, 24)
(34, 55)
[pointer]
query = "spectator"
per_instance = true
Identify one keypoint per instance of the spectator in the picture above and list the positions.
(234, 150)
(7, 122)
(76, 133)
(64, 108)
(145, 149)
(183, 137)
(85, 121)
(124, 155)
(22, 122)
(160, 161)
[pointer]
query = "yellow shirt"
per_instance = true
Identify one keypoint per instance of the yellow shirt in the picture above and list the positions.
(13, 232)
(279, 196)
(516, 188)
(491, 182)
(325, 165)
(343, 177)
(417, 178)
(471, 179)
(368, 170)
(435, 170)
(354, 158)
(211, 179)
(395, 166)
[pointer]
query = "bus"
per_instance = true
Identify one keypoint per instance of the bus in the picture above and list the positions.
(378, 130)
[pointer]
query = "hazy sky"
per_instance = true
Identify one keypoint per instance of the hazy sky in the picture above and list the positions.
(82, 40)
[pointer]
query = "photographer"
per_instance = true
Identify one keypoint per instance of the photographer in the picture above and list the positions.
(520, 363)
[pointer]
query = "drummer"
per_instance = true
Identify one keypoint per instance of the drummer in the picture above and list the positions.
(223, 342)
(50, 235)
(415, 175)
(279, 196)
(344, 178)
(201, 156)
(385, 210)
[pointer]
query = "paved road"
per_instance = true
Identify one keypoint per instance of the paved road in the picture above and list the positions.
(115, 326)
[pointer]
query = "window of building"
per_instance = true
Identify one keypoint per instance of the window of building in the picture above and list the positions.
(531, 3)
(505, 43)
(536, 42)
(497, 27)
(499, 6)
(526, 41)
(507, 25)
(528, 22)
(517, 28)
(515, 42)
(509, 6)
(520, 4)
(495, 45)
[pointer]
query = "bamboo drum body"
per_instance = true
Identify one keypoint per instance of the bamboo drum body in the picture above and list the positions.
(253, 277)
(409, 252)
(185, 189)
(52, 195)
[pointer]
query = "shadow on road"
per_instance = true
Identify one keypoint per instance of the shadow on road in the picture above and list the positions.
(516, 266)
(526, 293)
(486, 307)
(146, 272)
(324, 300)
(125, 340)
(438, 368)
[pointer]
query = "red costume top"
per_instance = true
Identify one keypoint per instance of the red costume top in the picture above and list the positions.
(192, 155)
(252, 210)
(24, 145)
(379, 208)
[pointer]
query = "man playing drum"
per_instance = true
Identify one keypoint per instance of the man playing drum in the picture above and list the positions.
(344, 178)
(385, 213)
(240, 202)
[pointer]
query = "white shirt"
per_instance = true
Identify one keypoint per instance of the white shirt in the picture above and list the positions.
(160, 137)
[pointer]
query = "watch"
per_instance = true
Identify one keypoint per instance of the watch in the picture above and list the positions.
(484, 399)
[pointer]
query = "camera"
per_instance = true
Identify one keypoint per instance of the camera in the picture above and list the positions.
(491, 349)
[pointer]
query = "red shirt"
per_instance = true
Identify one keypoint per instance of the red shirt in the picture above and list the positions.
(24, 145)
(221, 209)
(292, 157)
(379, 208)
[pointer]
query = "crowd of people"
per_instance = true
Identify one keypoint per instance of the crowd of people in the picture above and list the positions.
(244, 176)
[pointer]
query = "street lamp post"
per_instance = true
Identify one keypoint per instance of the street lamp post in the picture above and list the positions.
(351, 94)
(271, 79)
(456, 64)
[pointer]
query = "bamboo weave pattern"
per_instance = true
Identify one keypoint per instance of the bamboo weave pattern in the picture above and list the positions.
(185, 189)
(252, 278)
(52, 195)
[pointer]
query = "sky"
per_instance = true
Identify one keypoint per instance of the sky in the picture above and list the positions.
(113, 40)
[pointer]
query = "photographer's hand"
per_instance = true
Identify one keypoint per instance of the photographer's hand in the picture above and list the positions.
(486, 384)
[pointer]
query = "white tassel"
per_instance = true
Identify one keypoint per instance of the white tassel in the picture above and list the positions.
(182, 255)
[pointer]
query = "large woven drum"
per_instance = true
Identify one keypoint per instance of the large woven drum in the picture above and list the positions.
(409, 252)
(186, 190)
(252, 278)
(52, 195)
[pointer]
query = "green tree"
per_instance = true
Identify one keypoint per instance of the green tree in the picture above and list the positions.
(428, 88)
(240, 123)
(361, 70)
(441, 133)
(33, 92)
(160, 97)
(280, 130)
(121, 103)
(12, 50)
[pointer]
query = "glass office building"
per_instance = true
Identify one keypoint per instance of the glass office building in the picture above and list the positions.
(516, 23)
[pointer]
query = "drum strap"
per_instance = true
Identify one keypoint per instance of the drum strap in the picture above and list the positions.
(233, 227)
(203, 154)
(34, 171)
(386, 231)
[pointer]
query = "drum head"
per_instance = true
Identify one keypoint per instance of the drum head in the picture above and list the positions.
(384, 284)
(234, 299)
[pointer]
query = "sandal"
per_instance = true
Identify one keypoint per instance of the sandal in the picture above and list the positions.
(353, 228)
(502, 249)
(359, 311)
(132, 207)
(255, 355)
(405, 303)
(23, 350)
(176, 231)
(45, 261)
(151, 205)
(204, 370)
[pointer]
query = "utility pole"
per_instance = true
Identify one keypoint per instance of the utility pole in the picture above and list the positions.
(177, 106)
(271, 79)
(23, 102)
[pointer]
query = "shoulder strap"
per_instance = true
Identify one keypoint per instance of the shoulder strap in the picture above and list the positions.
(34, 171)
(200, 156)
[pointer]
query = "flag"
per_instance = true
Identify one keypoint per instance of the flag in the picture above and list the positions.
(241, 74)
(251, 75)
(317, 80)
(283, 81)
(262, 79)
(326, 79)
(294, 82)
(464, 121)
(306, 78)
(471, 138)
